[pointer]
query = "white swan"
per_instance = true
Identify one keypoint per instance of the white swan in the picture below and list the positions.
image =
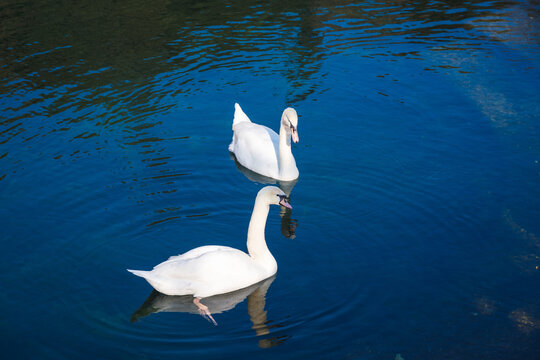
(261, 150)
(211, 270)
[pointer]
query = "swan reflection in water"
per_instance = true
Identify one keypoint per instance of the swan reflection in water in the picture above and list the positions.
(256, 301)
(288, 225)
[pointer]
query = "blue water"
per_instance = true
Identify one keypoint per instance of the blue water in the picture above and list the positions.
(414, 232)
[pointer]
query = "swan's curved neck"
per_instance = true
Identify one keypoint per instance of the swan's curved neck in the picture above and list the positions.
(286, 158)
(256, 242)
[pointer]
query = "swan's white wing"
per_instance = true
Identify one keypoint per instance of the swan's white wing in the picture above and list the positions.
(256, 147)
(201, 260)
(193, 253)
(218, 271)
(239, 115)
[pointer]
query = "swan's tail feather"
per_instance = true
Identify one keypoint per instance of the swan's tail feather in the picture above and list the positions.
(239, 115)
(140, 273)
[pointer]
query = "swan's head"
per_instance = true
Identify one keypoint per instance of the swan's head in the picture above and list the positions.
(289, 119)
(273, 195)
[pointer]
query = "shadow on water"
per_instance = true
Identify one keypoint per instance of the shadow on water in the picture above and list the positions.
(98, 77)
(110, 83)
(88, 67)
(60, 60)
(108, 46)
(256, 302)
(288, 224)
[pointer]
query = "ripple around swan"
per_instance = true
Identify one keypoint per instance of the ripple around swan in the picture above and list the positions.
(188, 330)
(416, 205)
(77, 84)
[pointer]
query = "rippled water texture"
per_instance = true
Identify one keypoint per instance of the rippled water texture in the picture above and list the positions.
(414, 232)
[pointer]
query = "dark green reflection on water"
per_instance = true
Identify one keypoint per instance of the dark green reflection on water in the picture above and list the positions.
(79, 71)
(113, 53)
(114, 134)
(127, 56)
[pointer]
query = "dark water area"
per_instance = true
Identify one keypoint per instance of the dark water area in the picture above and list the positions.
(415, 229)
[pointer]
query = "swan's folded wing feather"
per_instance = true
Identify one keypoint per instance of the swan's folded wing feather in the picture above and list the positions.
(239, 116)
(256, 148)
(193, 253)
(207, 263)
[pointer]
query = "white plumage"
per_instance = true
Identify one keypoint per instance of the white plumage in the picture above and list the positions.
(212, 270)
(261, 150)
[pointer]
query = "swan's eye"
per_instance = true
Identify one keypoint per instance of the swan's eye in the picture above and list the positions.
(291, 125)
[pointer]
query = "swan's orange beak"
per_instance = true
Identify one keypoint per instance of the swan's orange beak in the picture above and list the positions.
(284, 202)
(294, 135)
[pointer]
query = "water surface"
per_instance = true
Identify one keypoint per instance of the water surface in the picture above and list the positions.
(415, 223)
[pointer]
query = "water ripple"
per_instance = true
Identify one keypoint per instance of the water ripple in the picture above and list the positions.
(114, 125)
(294, 41)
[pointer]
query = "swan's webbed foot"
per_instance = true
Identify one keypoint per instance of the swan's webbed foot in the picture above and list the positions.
(203, 310)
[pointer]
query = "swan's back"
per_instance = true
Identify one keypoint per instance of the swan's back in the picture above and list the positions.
(212, 270)
(239, 115)
(203, 272)
(193, 253)
(260, 149)
(256, 147)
